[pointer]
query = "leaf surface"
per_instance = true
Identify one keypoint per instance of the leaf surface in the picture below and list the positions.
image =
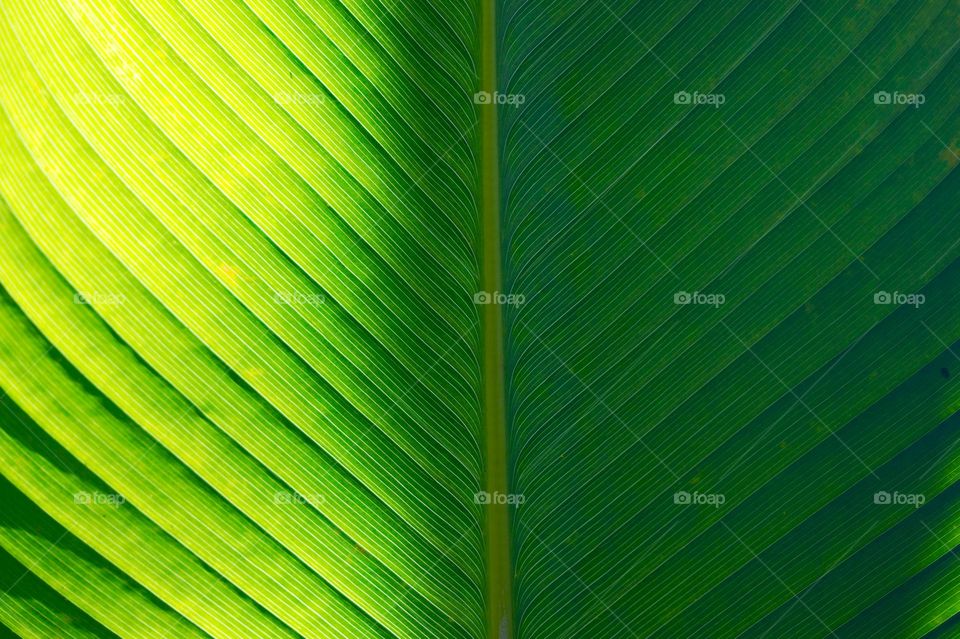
(367, 318)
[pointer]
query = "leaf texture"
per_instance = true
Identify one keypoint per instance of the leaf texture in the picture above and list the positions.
(783, 200)
(287, 286)
(272, 236)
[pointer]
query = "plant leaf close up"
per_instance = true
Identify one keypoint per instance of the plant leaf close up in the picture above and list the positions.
(459, 318)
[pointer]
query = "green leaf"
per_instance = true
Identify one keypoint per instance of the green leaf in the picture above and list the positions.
(368, 318)
(795, 197)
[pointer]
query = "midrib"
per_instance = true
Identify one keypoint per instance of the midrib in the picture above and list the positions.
(499, 586)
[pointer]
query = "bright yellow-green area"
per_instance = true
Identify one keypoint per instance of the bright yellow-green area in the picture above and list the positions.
(239, 252)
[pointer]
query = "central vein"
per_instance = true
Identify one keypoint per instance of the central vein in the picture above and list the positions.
(499, 604)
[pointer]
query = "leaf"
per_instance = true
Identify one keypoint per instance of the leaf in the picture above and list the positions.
(286, 301)
(479, 319)
(779, 398)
